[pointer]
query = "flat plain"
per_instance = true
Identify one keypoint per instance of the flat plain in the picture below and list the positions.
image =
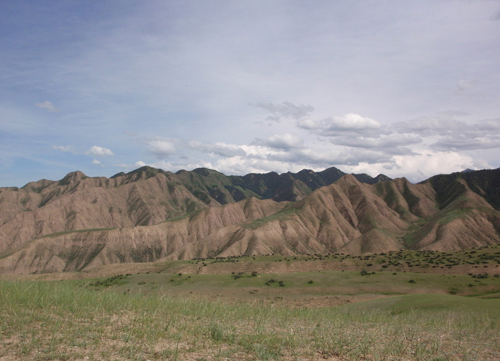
(402, 305)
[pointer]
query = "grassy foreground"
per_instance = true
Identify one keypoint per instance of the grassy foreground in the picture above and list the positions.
(64, 321)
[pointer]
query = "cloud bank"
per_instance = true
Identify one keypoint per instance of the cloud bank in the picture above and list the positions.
(242, 87)
(99, 151)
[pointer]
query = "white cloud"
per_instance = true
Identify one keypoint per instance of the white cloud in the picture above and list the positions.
(465, 86)
(285, 110)
(329, 157)
(47, 105)
(95, 161)
(137, 164)
(295, 158)
(352, 121)
(388, 143)
(218, 148)
(438, 124)
(163, 71)
(458, 143)
(490, 125)
(286, 141)
(309, 124)
(122, 165)
(99, 151)
(428, 163)
(244, 165)
(257, 151)
(419, 167)
(162, 148)
(62, 148)
(444, 132)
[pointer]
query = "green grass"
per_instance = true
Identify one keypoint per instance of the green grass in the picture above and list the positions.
(454, 214)
(429, 303)
(77, 231)
(64, 321)
(327, 283)
(283, 214)
(165, 315)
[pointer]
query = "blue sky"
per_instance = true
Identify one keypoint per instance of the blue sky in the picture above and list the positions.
(404, 88)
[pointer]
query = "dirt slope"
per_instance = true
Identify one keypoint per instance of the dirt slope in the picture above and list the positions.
(142, 197)
(347, 216)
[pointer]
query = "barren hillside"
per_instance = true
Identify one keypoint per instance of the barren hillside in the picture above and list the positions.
(80, 222)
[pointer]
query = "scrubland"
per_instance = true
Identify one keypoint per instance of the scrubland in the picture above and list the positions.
(305, 315)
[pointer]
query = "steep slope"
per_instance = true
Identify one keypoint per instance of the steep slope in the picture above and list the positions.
(342, 216)
(78, 202)
(485, 183)
(77, 250)
(466, 219)
(145, 196)
(445, 213)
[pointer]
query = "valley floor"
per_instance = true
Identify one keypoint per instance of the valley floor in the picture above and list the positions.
(65, 321)
(315, 308)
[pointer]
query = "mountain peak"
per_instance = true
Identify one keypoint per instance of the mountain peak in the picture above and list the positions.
(192, 214)
(348, 179)
(205, 171)
(145, 172)
(72, 177)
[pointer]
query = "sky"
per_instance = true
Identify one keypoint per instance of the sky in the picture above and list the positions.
(404, 88)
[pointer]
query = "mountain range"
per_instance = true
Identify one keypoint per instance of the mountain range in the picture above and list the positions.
(149, 214)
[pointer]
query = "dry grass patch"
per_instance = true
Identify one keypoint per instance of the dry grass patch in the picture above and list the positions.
(61, 321)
